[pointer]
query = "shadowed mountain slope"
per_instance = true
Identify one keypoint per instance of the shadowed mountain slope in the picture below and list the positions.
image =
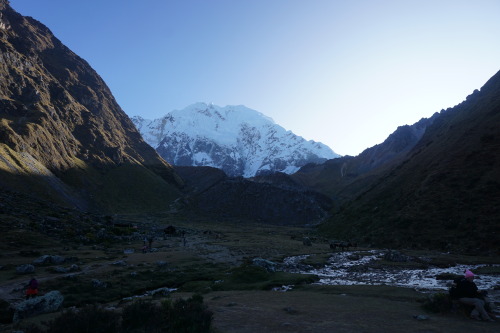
(63, 137)
(445, 192)
(343, 178)
(214, 194)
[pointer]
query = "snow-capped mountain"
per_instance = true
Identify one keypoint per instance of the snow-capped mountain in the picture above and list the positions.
(236, 139)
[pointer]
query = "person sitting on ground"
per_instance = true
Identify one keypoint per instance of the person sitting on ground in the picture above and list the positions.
(32, 290)
(467, 293)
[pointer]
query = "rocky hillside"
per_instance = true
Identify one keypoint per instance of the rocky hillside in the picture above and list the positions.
(63, 136)
(237, 199)
(444, 193)
(343, 178)
(236, 139)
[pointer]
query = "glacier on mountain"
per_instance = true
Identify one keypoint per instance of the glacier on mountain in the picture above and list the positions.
(236, 139)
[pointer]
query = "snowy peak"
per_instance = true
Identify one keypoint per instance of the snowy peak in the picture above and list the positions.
(236, 139)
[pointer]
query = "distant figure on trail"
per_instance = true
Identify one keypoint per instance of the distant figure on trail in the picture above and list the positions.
(32, 288)
(150, 242)
(467, 292)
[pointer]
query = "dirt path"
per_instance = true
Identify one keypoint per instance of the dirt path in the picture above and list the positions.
(297, 311)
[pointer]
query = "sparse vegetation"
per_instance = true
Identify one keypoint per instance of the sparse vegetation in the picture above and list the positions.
(179, 316)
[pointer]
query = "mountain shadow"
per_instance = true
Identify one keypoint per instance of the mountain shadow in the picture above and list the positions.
(444, 193)
(214, 194)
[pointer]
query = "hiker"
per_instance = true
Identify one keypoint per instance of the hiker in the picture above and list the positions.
(467, 293)
(32, 290)
(150, 242)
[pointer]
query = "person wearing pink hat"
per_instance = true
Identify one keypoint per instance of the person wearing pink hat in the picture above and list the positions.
(467, 293)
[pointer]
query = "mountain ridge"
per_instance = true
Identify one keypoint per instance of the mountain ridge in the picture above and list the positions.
(444, 193)
(236, 139)
(62, 133)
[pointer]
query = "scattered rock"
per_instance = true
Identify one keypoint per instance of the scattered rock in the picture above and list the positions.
(447, 276)
(60, 269)
(50, 302)
(25, 269)
(161, 264)
(395, 256)
(421, 317)
(266, 264)
(48, 260)
(99, 284)
(290, 310)
(283, 288)
(160, 291)
(74, 268)
(128, 251)
(119, 263)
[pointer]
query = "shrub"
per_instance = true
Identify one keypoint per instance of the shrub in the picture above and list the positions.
(91, 318)
(249, 274)
(142, 316)
(188, 316)
(180, 316)
(437, 303)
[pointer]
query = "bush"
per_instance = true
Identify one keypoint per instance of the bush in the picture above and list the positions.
(437, 303)
(180, 316)
(142, 316)
(188, 316)
(91, 318)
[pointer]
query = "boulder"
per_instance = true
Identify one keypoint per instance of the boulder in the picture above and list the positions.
(48, 260)
(74, 268)
(266, 264)
(160, 264)
(98, 284)
(306, 241)
(60, 269)
(395, 256)
(25, 269)
(50, 302)
(161, 291)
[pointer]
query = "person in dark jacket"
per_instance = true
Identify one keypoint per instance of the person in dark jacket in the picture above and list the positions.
(32, 288)
(467, 293)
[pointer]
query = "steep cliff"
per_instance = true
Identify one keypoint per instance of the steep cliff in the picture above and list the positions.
(62, 134)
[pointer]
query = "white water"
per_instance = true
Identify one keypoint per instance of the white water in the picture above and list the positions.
(343, 270)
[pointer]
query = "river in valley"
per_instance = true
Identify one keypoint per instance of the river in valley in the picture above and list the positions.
(349, 268)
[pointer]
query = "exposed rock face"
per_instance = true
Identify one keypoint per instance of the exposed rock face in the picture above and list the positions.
(61, 129)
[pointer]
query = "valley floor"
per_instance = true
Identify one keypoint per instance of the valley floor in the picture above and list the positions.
(199, 255)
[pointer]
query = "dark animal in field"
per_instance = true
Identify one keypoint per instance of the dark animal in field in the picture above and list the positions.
(342, 245)
(170, 230)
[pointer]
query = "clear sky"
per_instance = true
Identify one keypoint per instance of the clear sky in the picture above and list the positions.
(346, 73)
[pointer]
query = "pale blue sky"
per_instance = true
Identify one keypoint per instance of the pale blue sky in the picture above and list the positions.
(346, 73)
